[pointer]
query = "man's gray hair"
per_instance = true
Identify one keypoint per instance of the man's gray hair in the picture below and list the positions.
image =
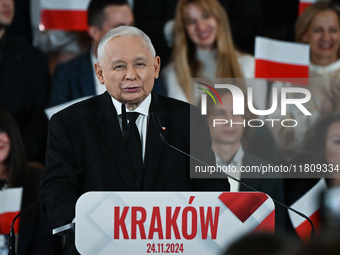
(121, 32)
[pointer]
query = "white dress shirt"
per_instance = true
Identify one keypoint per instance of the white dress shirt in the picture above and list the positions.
(237, 162)
(141, 121)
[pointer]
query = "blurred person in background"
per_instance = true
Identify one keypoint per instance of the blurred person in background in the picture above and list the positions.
(326, 145)
(58, 45)
(24, 85)
(76, 78)
(203, 48)
(319, 26)
(230, 144)
(35, 230)
(322, 150)
(326, 244)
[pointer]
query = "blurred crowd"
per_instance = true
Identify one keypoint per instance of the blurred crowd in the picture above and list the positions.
(195, 39)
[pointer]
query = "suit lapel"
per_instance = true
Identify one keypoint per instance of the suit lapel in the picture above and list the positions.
(110, 131)
(154, 144)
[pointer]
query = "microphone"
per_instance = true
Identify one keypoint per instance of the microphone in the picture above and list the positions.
(11, 241)
(124, 120)
(161, 134)
(11, 238)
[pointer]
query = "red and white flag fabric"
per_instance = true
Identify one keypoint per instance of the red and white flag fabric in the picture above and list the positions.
(303, 4)
(9, 207)
(278, 59)
(64, 14)
(308, 204)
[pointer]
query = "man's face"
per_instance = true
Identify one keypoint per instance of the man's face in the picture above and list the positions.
(6, 12)
(128, 69)
(115, 16)
(225, 133)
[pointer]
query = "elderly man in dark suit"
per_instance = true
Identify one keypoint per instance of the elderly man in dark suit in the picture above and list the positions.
(89, 143)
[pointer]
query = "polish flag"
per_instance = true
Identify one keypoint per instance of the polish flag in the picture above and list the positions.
(303, 4)
(64, 14)
(278, 59)
(9, 207)
(308, 204)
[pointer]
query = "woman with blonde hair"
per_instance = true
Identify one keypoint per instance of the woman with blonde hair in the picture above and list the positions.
(203, 48)
(319, 26)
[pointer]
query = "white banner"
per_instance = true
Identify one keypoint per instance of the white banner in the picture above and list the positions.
(10, 200)
(168, 222)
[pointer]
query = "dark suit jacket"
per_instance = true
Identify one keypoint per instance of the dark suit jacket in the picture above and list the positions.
(75, 79)
(272, 187)
(87, 137)
(72, 80)
(24, 87)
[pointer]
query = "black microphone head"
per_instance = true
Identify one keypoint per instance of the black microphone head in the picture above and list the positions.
(124, 120)
(11, 244)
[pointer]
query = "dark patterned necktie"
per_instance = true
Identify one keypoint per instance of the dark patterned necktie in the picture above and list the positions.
(134, 147)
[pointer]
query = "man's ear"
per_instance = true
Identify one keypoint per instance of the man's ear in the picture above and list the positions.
(99, 72)
(94, 33)
(157, 66)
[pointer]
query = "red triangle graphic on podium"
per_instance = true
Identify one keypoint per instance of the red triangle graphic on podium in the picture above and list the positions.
(243, 205)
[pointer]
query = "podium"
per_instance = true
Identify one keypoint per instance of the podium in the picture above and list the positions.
(168, 222)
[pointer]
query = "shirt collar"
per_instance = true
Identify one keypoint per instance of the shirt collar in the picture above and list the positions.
(325, 69)
(219, 160)
(143, 108)
(236, 161)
